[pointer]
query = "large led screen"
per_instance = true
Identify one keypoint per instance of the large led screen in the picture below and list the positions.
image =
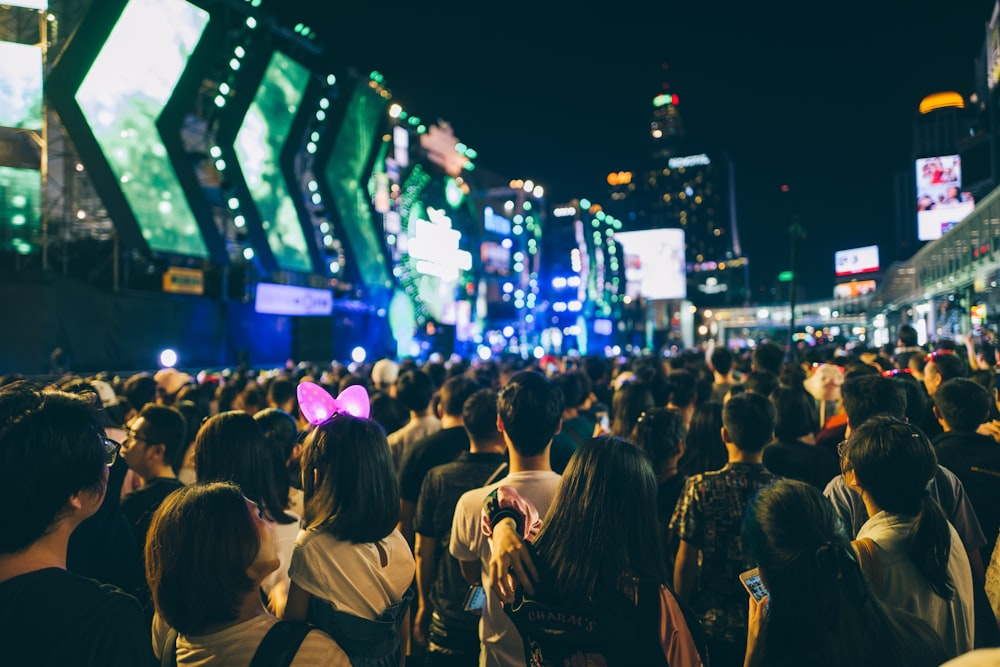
(122, 96)
(654, 263)
(941, 204)
(20, 86)
(20, 209)
(258, 147)
(856, 260)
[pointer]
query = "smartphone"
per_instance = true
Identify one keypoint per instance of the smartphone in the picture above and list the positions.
(752, 582)
(475, 600)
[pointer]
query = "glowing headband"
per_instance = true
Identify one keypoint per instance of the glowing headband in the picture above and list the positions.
(317, 405)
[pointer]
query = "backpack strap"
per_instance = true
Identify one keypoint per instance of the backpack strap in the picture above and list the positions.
(280, 644)
(868, 559)
(168, 652)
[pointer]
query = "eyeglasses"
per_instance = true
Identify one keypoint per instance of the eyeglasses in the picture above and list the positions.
(111, 448)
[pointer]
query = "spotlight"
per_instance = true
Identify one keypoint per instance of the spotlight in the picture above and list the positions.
(359, 354)
(168, 358)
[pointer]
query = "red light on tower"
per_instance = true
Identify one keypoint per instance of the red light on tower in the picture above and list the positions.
(674, 100)
(785, 188)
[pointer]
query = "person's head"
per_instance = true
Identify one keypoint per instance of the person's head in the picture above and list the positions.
(660, 433)
(962, 404)
(892, 463)
(385, 372)
(281, 395)
(415, 389)
(454, 392)
(868, 395)
(575, 388)
(748, 422)
(721, 360)
(479, 416)
(280, 430)
(154, 439)
(599, 524)
(942, 366)
(207, 550)
(683, 388)
(230, 447)
(627, 403)
(796, 413)
(54, 460)
(349, 480)
(140, 389)
(768, 356)
(761, 382)
(703, 444)
(529, 412)
(907, 336)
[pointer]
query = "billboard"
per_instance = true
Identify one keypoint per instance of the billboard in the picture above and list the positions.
(993, 48)
(856, 260)
(855, 288)
(941, 204)
(654, 263)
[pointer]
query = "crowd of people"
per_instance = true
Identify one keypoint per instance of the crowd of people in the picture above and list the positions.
(509, 513)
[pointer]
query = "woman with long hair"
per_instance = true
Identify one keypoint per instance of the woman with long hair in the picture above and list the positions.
(628, 402)
(230, 447)
(918, 564)
(596, 586)
(820, 610)
(207, 553)
(704, 449)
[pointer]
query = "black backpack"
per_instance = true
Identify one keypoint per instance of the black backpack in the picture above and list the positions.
(276, 649)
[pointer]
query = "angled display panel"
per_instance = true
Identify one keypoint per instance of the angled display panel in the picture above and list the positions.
(20, 110)
(121, 97)
(258, 146)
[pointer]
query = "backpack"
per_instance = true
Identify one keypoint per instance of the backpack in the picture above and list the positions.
(276, 649)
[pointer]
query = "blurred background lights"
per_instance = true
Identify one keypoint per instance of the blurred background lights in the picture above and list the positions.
(168, 358)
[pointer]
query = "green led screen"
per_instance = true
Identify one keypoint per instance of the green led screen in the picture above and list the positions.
(258, 148)
(122, 96)
(20, 86)
(20, 210)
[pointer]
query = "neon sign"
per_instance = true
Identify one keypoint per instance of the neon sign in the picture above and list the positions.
(689, 161)
(434, 246)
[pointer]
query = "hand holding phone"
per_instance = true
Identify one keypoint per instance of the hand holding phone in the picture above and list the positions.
(755, 586)
(475, 599)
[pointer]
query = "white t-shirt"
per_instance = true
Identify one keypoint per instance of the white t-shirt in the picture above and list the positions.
(351, 576)
(235, 646)
(501, 643)
(905, 587)
(285, 535)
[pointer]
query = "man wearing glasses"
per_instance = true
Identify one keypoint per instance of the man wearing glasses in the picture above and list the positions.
(54, 460)
(154, 439)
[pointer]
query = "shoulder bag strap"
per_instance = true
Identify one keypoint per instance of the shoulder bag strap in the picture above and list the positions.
(496, 474)
(168, 652)
(868, 559)
(280, 644)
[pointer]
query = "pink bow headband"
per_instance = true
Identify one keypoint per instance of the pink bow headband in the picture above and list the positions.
(317, 405)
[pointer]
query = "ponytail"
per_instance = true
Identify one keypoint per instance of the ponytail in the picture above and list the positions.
(930, 546)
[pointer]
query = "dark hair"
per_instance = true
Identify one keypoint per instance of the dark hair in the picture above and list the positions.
(659, 432)
(865, 396)
(749, 420)
(165, 425)
(721, 360)
(907, 335)
(761, 382)
(704, 447)
(230, 447)
(915, 396)
(349, 480)
(796, 413)
(949, 366)
(682, 388)
(817, 593)
(573, 389)
(139, 390)
(895, 463)
(201, 542)
(389, 412)
(50, 449)
(627, 403)
(280, 391)
(454, 392)
(768, 357)
(415, 389)
(531, 408)
(194, 415)
(963, 404)
(479, 415)
(600, 523)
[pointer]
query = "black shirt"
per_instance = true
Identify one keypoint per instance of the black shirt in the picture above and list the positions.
(139, 505)
(438, 448)
(800, 460)
(54, 617)
(975, 460)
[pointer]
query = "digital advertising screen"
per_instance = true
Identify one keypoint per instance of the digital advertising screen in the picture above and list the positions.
(855, 288)
(122, 95)
(856, 260)
(20, 210)
(941, 203)
(654, 263)
(258, 146)
(20, 86)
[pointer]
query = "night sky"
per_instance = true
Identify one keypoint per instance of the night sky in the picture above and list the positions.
(818, 97)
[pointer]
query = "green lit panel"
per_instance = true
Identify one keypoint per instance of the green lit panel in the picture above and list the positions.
(20, 86)
(258, 149)
(20, 210)
(122, 96)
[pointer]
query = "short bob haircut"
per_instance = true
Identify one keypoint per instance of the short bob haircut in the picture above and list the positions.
(50, 449)
(349, 480)
(796, 412)
(201, 542)
(230, 447)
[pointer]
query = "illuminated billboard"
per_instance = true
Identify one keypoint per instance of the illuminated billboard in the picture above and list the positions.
(855, 288)
(20, 210)
(856, 260)
(122, 96)
(941, 204)
(654, 263)
(20, 86)
(258, 146)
